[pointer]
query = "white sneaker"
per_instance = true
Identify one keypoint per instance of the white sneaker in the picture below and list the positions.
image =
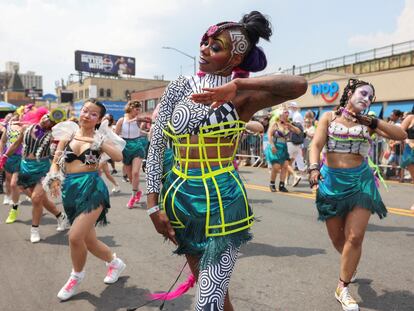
(63, 223)
(115, 268)
(296, 180)
(353, 279)
(25, 198)
(344, 297)
(7, 200)
(34, 234)
(71, 286)
(116, 189)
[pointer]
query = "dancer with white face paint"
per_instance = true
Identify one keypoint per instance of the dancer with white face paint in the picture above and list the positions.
(347, 194)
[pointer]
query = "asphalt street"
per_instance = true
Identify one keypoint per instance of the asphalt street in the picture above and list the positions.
(290, 264)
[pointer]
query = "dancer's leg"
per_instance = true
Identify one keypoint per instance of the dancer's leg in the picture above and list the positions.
(355, 226)
(335, 227)
(78, 234)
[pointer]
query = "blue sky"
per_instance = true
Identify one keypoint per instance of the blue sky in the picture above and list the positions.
(43, 34)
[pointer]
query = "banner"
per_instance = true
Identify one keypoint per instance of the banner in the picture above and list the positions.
(107, 64)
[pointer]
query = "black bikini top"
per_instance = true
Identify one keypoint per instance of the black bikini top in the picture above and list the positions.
(410, 132)
(87, 157)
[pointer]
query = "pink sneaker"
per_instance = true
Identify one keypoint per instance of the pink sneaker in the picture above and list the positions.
(131, 202)
(138, 196)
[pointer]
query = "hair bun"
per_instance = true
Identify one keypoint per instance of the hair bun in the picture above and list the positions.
(257, 26)
(254, 61)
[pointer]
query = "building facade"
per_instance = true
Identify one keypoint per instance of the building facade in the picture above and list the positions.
(389, 69)
(112, 92)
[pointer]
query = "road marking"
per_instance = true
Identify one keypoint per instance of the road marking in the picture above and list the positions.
(307, 195)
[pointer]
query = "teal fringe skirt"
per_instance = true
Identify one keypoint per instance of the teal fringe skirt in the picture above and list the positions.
(13, 164)
(32, 171)
(280, 156)
(135, 148)
(84, 192)
(186, 203)
(345, 188)
(408, 156)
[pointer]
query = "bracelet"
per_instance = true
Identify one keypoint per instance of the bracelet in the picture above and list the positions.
(313, 166)
(374, 124)
(153, 210)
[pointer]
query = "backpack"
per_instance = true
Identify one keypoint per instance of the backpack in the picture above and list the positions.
(297, 139)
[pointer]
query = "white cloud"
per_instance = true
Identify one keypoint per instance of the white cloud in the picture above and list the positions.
(404, 31)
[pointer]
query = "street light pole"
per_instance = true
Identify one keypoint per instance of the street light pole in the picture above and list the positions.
(185, 54)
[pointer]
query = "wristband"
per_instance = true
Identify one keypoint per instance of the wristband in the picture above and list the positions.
(153, 210)
(374, 124)
(313, 166)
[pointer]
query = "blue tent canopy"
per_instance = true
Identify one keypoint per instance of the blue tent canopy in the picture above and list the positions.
(7, 107)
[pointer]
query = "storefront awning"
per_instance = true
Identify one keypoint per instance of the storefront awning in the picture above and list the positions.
(376, 108)
(403, 106)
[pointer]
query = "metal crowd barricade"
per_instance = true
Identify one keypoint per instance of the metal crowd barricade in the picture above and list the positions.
(251, 148)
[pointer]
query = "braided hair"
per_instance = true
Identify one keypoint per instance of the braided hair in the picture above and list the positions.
(351, 86)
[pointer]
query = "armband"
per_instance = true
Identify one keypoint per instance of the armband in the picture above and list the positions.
(153, 210)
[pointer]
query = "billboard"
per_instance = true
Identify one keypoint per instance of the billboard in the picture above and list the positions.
(107, 64)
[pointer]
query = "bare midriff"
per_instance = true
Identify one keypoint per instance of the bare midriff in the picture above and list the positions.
(343, 160)
(208, 149)
(78, 167)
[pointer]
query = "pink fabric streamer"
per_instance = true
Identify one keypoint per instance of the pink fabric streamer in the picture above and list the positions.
(181, 290)
(34, 116)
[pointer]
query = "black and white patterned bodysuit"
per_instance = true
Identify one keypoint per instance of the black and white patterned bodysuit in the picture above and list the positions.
(185, 117)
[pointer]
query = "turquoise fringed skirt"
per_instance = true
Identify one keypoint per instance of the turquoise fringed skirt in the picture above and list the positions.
(193, 206)
(84, 192)
(168, 162)
(135, 148)
(13, 164)
(280, 156)
(345, 188)
(408, 156)
(32, 171)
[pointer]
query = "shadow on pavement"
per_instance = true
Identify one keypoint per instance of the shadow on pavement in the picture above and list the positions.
(61, 238)
(260, 249)
(374, 228)
(260, 201)
(45, 220)
(387, 301)
(119, 297)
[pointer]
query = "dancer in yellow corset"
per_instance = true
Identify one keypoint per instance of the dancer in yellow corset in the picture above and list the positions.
(202, 206)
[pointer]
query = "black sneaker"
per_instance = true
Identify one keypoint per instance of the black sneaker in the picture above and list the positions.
(283, 189)
(272, 187)
(114, 171)
(125, 178)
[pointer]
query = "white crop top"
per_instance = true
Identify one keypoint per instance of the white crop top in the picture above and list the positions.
(130, 129)
(342, 139)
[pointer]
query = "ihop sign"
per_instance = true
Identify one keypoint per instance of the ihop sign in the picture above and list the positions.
(328, 91)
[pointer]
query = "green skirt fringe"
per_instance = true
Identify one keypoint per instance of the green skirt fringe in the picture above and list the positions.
(83, 193)
(343, 189)
(13, 164)
(280, 156)
(135, 148)
(32, 171)
(185, 202)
